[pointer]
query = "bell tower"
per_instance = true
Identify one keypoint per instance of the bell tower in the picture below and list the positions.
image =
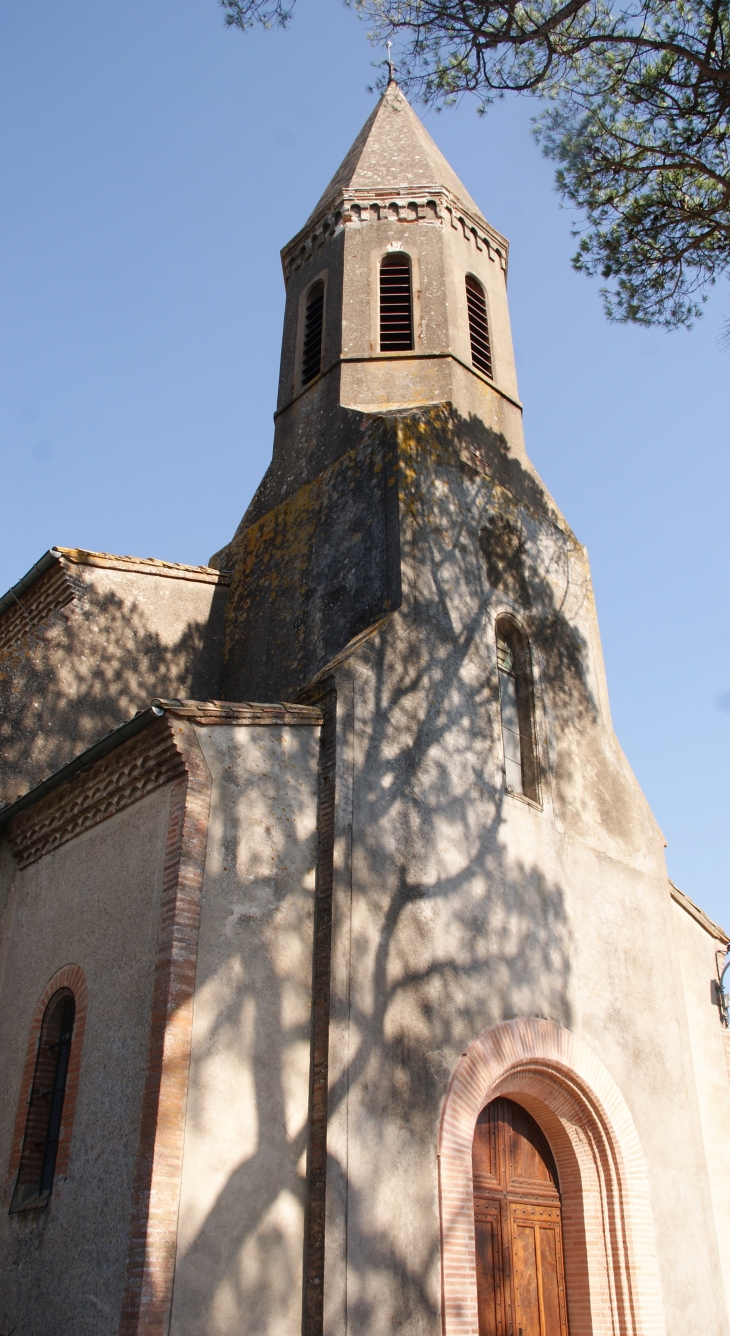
(396, 301)
(396, 193)
(393, 195)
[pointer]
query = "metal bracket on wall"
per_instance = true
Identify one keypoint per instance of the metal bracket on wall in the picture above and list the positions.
(722, 992)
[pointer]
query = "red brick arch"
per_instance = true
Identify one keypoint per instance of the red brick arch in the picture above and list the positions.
(72, 977)
(611, 1270)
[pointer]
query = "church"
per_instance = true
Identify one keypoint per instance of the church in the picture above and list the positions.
(343, 991)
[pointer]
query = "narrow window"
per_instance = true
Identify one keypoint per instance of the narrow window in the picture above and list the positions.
(396, 307)
(515, 697)
(45, 1105)
(481, 354)
(313, 331)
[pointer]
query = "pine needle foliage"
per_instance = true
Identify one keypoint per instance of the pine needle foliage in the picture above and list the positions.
(635, 113)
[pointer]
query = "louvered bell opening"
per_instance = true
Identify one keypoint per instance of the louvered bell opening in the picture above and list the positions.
(481, 353)
(312, 349)
(396, 313)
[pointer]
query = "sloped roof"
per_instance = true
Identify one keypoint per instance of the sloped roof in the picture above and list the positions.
(81, 557)
(393, 151)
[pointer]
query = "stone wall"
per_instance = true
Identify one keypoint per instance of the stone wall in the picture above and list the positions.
(314, 572)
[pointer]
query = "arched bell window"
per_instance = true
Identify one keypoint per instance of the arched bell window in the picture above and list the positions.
(476, 303)
(45, 1105)
(313, 340)
(517, 710)
(396, 303)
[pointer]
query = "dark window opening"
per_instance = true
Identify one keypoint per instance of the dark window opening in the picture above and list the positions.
(396, 307)
(516, 704)
(481, 353)
(45, 1105)
(313, 330)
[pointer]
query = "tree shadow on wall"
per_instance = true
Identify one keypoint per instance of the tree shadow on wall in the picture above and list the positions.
(72, 679)
(447, 915)
(442, 926)
(432, 962)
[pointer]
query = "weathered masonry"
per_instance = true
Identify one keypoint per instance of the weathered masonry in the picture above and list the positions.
(342, 988)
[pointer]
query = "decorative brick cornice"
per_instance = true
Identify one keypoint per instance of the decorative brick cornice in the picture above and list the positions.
(35, 606)
(435, 207)
(165, 750)
(94, 787)
(120, 778)
(70, 976)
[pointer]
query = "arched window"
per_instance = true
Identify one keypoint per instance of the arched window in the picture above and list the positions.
(396, 303)
(312, 344)
(517, 1226)
(45, 1104)
(481, 353)
(516, 703)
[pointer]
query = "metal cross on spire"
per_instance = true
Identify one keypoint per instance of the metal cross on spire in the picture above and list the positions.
(391, 66)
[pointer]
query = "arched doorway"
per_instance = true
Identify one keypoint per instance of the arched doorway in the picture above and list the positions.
(610, 1256)
(517, 1226)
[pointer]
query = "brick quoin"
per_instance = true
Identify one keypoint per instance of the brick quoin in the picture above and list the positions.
(313, 1317)
(611, 1271)
(69, 976)
(147, 1298)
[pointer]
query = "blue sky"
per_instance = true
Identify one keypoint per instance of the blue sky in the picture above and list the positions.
(153, 163)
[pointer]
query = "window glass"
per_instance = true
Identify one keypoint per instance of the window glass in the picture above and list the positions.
(45, 1106)
(510, 717)
(515, 699)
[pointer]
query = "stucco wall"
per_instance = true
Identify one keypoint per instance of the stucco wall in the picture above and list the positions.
(94, 903)
(458, 905)
(240, 1245)
(710, 1049)
(126, 636)
(441, 256)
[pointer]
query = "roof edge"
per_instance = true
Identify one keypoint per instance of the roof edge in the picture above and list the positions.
(200, 712)
(27, 581)
(698, 914)
(240, 712)
(82, 762)
(176, 570)
(78, 556)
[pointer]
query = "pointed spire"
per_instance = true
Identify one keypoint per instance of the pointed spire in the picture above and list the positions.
(393, 152)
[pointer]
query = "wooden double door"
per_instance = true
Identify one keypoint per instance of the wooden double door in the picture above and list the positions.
(519, 1245)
